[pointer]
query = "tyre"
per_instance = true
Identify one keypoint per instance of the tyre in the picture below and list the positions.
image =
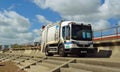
(95, 50)
(62, 51)
(105, 53)
(47, 52)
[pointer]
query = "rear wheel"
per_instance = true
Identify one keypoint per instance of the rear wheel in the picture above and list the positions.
(47, 52)
(62, 51)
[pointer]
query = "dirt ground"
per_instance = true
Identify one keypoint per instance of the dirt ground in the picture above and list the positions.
(9, 66)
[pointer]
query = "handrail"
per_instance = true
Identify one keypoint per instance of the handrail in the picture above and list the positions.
(109, 33)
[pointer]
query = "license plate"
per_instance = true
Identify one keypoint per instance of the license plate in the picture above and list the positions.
(83, 51)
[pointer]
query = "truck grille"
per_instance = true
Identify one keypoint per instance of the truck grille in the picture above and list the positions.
(81, 45)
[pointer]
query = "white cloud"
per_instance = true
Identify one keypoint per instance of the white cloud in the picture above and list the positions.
(42, 19)
(40, 3)
(115, 7)
(14, 28)
(119, 23)
(27, 36)
(36, 33)
(69, 6)
(105, 10)
(11, 7)
(101, 24)
(110, 9)
(89, 11)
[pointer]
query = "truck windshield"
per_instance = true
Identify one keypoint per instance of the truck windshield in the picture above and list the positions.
(81, 32)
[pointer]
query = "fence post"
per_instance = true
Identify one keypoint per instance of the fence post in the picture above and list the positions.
(117, 31)
(101, 34)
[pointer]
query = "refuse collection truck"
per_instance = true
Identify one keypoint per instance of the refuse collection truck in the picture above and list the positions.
(67, 37)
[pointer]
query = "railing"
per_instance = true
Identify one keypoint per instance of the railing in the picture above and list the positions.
(107, 34)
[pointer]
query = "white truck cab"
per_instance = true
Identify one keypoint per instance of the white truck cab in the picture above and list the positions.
(67, 37)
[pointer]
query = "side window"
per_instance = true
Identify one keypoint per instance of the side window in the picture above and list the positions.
(66, 32)
(63, 32)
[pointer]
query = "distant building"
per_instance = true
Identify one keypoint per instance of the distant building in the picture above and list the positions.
(2, 47)
(36, 43)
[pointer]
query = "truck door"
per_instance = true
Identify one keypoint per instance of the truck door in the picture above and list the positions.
(66, 32)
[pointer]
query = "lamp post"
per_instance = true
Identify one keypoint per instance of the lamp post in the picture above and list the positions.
(117, 30)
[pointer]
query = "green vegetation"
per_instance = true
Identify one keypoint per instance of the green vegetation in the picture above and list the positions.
(17, 46)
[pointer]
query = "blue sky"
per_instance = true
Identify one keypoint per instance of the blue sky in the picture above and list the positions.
(28, 9)
(102, 2)
(24, 18)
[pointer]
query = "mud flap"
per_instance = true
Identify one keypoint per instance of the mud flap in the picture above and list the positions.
(104, 53)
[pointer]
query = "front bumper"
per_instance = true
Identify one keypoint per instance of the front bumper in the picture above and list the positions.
(80, 50)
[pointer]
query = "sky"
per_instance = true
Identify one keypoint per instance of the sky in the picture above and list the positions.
(21, 20)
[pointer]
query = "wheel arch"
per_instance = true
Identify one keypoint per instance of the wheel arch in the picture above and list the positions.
(59, 46)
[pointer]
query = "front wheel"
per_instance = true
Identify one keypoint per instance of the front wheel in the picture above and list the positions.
(47, 52)
(62, 51)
